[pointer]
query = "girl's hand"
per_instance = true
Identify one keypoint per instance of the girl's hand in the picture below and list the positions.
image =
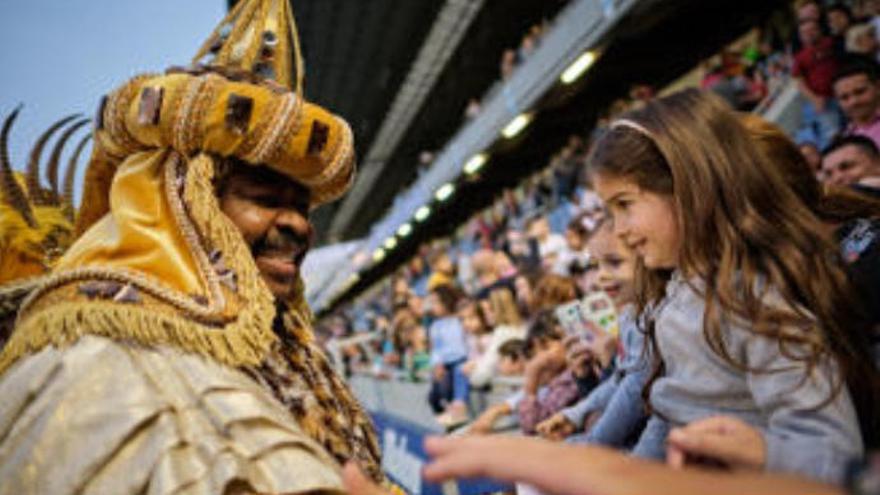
(727, 440)
(555, 428)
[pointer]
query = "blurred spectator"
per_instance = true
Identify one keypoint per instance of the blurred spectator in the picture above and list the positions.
(449, 386)
(553, 290)
(858, 91)
(473, 109)
(442, 270)
(850, 160)
(862, 39)
(574, 258)
(512, 363)
(508, 326)
(812, 155)
(550, 244)
(508, 63)
(814, 68)
(839, 19)
(548, 385)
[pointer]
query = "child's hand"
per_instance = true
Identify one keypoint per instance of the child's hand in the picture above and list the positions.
(727, 440)
(555, 428)
(468, 367)
(579, 356)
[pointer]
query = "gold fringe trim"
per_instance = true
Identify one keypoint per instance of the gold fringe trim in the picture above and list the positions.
(64, 323)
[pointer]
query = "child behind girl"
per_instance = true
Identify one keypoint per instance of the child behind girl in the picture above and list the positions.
(617, 402)
(746, 311)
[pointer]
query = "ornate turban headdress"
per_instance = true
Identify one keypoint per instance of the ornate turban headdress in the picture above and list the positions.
(155, 260)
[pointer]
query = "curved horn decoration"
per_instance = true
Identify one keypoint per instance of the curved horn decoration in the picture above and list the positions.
(52, 168)
(12, 192)
(36, 192)
(69, 175)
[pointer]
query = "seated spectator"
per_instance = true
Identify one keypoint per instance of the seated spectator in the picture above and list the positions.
(575, 254)
(416, 360)
(851, 160)
(839, 18)
(449, 386)
(442, 270)
(861, 39)
(857, 89)
(487, 341)
(553, 290)
(548, 385)
(512, 363)
(550, 244)
(814, 67)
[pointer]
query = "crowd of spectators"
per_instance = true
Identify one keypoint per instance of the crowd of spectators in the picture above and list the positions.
(494, 301)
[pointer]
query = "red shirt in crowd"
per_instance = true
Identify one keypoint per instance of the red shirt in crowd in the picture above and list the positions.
(817, 64)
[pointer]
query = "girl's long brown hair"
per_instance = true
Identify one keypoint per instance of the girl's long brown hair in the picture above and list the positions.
(746, 234)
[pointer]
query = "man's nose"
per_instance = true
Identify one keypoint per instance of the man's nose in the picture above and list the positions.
(294, 222)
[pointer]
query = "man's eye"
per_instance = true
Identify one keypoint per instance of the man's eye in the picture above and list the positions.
(266, 200)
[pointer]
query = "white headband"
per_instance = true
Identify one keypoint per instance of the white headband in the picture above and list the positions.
(632, 125)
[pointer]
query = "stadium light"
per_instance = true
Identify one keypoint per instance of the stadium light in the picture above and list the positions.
(423, 213)
(475, 163)
(577, 68)
(390, 243)
(405, 230)
(378, 255)
(516, 125)
(445, 191)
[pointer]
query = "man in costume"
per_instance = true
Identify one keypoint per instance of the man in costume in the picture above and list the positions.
(170, 349)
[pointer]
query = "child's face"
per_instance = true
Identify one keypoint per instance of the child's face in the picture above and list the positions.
(616, 266)
(470, 320)
(573, 239)
(553, 349)
(438, 310)
(509, 366)
(646, 222)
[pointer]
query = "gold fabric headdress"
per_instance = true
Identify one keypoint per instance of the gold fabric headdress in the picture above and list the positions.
(156, 260)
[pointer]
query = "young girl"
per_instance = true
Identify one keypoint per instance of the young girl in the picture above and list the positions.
(449, 387)
(617, 400)
(482, 367)
(746, 311)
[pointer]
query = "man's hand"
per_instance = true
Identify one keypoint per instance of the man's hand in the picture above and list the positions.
(723, 439)
(556, 427)
(439, 372)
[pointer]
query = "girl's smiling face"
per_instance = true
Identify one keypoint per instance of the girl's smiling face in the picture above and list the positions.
(616, 266)
(646, 222)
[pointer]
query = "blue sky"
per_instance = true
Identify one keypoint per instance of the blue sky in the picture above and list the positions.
(59, 56)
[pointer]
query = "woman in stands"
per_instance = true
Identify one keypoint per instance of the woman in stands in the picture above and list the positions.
(746, 311)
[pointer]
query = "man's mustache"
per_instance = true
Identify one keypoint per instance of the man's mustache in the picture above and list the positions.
(276, 241)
